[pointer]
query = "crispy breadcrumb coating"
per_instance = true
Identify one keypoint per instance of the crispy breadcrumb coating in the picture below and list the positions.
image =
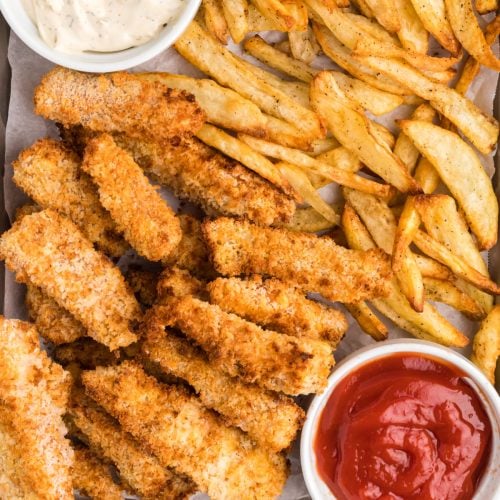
(49, 251)
(140, 470)
(174, 282)
(27, 209)
(146, 220)
(275, 361)
(143, 284)
(35, 458)
(271, 419)
(278, 306)
(117, 102)
(87, 353)
(92, 477)
(50, 173)
(183, 434)
(313, 264)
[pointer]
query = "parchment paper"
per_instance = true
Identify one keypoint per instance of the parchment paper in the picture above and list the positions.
(23, 128)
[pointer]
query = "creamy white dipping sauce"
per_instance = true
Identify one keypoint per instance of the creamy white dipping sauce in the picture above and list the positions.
(75, 26)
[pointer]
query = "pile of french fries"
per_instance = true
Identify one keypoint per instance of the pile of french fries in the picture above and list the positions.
(309, 128)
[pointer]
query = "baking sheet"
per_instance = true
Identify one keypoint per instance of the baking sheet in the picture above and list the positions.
(23, 128)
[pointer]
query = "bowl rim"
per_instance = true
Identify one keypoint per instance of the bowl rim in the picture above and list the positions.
(105, 62)
(490, 482)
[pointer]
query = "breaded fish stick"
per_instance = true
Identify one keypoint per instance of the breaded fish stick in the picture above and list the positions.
(92, 477)
(50, 252)
(143, 283)
(140, 470)
(87, 353)
(311, 263)
(174, 282)
(35, 459)
(53, 322)
(278, 306)
(145, 219)
(50, 173)
(117, 102)
(271, 419)
(242, 349)
(203, 176)
(183, 434)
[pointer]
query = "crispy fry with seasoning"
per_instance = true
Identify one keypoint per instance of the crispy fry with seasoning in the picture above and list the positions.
(175, 282)
(311, 263)
(271, 419)
(50, 173)
(183, 434)
(278, 306)
(49, 251)
(35, 459)
(117, 102)
(145, 219)
(140, 470)
(275, 361)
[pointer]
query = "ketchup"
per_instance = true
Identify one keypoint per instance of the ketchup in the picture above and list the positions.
(403, 427)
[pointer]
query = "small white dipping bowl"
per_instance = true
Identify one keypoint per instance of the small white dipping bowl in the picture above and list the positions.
(488, 488)
(97, 62)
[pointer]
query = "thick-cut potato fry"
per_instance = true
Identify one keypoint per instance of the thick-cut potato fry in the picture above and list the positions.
(430, 268)
(426, 176)
(466, 28)
(386, 14)
(352, 130)
(368, 321)
(224, 107)
(372, 27)
(258, 22)
(479, 128)
(363, 8)
(428, 324)
(214, 20)
(326, 170)
(408, 225)
(446, 292)
(309, 220)
(460, 169)
(342, 158)
(286, 15)
(342, 56)
(260, 49)
(485, 6)
(486, 345)
(238, 150)
(199, 48)
(301, 46)
(433, 15)
(235, 12)
(282, 132)
(412, 33)
(302, 185)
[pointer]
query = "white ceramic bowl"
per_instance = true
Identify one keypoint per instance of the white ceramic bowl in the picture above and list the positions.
(96, 62)
(489, 487)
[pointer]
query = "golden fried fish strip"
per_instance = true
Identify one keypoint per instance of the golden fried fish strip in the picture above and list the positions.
(137, 468)
(49, 251)
(117, 102)
(278, 306)
(183, 434)
(92, 477)
(53, 322)
(143, 283)
(242, 349)
(311, 263)
(50, 173)
(146, 220)
(176, 282)
(271, 419)
(87, 353)
(35, 459)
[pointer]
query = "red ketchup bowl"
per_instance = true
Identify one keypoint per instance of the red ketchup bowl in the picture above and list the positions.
(406, 419)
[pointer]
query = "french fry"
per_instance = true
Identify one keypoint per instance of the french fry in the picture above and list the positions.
(307, 163)
(353, 131)
(257, 22)
(408, 225)
(434, 18)
(485, 6)
(320, 146)
(466, 27)
(235, 12)
(342, 158)
(342, 56)
(385, 13)
(367, 320)
(286, 16)
(460, 169)
(214, 20)
(282, 132)
(224, 107)
(266, 53)
(372, 27)
(199, 48)
(447, 293)
(238, 150)
(412, 33)
(479, 128)
(430, 268)
(429, 324)
(308, 220)
(426, 176)
(486, 345)
(364, 8)
(301, 46)
(302, 185)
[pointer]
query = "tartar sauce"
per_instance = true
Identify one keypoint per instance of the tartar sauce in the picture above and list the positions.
(75, 26)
